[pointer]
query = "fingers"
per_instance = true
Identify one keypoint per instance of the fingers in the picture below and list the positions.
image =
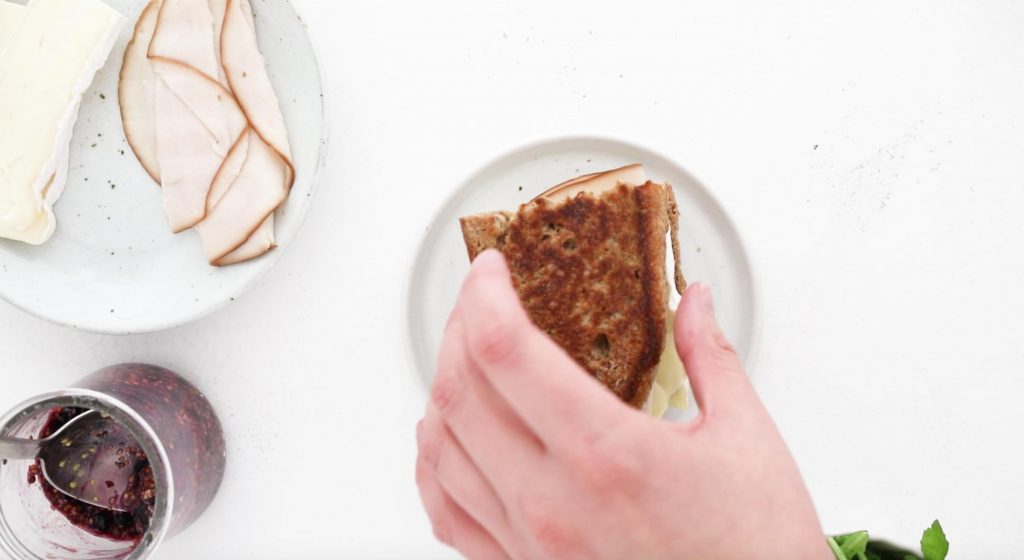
(459, 476)
(715, 373)
(491, 434)
(552, 394)
(452, 525)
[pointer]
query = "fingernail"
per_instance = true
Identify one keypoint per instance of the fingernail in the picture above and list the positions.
(419, 432)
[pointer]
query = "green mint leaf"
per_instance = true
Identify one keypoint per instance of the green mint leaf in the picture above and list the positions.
(934, 545)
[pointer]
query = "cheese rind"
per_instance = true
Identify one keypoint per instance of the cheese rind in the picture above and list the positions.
(48, 63)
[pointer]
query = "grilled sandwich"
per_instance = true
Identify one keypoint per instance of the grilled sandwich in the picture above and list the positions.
(588, 261)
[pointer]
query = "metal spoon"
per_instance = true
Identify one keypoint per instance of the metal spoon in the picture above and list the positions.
(85, 459)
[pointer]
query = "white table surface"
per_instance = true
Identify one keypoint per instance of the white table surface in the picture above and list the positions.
(872, 153)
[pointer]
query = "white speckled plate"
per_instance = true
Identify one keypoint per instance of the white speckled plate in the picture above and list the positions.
(712, 251)
(113, 266)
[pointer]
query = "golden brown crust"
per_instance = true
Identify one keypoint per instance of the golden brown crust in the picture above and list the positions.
(590, 272)
(673, 222)
(484, 231)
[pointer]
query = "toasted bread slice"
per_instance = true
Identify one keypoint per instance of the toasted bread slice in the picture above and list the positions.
(590, 271)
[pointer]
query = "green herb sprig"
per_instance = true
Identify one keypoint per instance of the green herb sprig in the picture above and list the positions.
(859, 546)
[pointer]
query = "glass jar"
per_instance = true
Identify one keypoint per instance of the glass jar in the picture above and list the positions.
(175, 427)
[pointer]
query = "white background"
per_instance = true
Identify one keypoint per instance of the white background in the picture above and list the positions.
(871, 152)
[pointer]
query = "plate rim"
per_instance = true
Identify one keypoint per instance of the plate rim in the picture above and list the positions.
(262, 268)
(751, 360)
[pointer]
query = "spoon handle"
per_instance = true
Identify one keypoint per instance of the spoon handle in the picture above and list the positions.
(17, 449)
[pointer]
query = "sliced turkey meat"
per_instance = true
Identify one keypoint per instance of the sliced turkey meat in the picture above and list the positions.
(261, 185)
(196, 125)
(136, 92)
(261, 240)
(184, 33)
(201, 114)
(247, 73)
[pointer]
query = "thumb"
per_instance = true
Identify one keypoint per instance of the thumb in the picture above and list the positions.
(715, 373)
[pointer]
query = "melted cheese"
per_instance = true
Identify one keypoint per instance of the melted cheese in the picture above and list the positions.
(670, 388)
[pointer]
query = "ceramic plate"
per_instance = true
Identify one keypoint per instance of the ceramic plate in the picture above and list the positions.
(712, 251)
(113, 266)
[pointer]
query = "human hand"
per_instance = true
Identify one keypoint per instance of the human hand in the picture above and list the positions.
(524, 455)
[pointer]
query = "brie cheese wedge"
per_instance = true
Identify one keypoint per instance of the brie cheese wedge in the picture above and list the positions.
(10, 19)
(46, 65)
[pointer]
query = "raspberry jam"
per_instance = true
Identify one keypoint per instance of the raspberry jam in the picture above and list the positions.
(173, 463)
(138, 500)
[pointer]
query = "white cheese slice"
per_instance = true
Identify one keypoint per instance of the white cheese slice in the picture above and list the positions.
(657, 402)
(48, 63)
(10, 19)
(670, 382)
